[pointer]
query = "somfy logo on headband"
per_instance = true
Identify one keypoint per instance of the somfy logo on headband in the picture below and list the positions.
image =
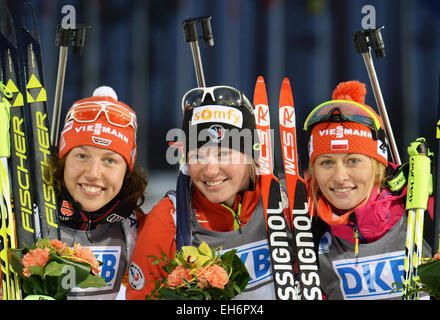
(213, 113)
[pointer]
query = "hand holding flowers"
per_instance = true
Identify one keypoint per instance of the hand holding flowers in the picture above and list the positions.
(52, 269)
(201, 274)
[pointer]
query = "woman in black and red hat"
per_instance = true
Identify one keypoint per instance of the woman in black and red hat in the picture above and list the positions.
(218, 196)
(99, 187)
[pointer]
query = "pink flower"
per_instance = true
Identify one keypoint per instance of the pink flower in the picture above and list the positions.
(215, 275)
(175, 278)
(59, 246)
(85, 253)
(36, 257)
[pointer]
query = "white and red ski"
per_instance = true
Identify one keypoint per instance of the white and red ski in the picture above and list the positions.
(298, 201)
(281, 253)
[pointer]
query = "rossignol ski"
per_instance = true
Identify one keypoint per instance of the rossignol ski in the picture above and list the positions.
(298, 201)
(41, 147)
(282, 259)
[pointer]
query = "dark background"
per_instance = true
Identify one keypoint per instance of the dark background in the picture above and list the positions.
(138, 48)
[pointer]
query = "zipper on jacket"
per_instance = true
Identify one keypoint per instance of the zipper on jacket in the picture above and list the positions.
(356, 233)
(236, 215)
(356, 240)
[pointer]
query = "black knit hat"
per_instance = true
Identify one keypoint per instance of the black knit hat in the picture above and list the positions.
(216, 124)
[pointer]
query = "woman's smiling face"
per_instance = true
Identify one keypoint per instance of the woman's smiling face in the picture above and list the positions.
(93, 176)
(345, 179)
(219, 173)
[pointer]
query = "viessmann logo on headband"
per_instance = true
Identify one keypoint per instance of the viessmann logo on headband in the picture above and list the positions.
(214, 113)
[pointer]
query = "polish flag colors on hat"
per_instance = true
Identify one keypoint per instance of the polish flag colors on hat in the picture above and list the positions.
(101, 121)
(346, 125)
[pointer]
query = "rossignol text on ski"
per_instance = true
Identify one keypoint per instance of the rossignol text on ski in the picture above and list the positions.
(306, 255)
(282, 259)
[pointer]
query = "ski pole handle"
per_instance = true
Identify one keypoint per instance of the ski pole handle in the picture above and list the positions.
(364, 40)
(192, 36)
(64, 38)
(420, 177)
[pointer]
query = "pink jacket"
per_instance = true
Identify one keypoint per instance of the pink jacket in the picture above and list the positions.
(377, 216)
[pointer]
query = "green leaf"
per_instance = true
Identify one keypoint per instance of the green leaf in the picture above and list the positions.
(93, 281)
(15, 256)
(82, 270)
(33, 285)
(429, 274)
(170, 294)
(54, 269)
(37, 271)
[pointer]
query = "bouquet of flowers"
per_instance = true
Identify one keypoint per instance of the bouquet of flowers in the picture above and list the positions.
(428, 278)
(51, 269)
(200, 274)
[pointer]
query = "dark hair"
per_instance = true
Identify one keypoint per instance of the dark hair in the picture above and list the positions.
(133, 186)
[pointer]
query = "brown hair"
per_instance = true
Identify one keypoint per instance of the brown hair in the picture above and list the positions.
(133, 186)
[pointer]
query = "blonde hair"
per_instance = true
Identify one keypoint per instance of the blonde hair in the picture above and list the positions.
(378, 179)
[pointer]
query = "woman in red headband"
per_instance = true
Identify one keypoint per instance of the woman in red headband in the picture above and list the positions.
(361, 225)
(99, 188)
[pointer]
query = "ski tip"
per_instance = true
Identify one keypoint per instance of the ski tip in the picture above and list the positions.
(286, 97)
(260, 94)
(7, 29)
(260, 79)
(286, 81)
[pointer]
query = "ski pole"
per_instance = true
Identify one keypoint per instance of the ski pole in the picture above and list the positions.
(183, 224)
(419, 189)
(192, 36)
(64, 37)
(364, 40)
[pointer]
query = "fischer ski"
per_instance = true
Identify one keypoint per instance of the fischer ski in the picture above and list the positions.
(41, 147)
(27, 187)
(298, 201)
(282, 259)
(22, 192)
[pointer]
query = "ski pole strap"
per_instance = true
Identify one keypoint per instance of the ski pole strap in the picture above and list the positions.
(397, 178)
(419, 175)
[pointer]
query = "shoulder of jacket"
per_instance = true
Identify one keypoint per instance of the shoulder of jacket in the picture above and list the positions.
(164, 210)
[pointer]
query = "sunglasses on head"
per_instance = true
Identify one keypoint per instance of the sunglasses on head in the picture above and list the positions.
(220, 95)
(341, 111)
(117, 115)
